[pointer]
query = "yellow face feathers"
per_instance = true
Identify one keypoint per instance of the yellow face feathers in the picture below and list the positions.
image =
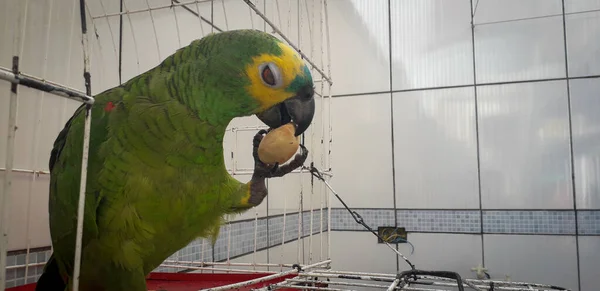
(271, 75)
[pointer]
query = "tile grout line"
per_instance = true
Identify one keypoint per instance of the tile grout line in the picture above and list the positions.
(572, 159)
(477, 136)
(465, 86)
(390, 83)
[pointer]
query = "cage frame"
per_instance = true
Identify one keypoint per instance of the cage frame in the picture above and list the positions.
(18, 78)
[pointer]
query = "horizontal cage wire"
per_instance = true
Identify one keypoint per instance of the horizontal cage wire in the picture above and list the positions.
(330, 280)
(114, 40)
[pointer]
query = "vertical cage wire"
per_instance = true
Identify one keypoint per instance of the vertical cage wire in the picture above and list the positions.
(63, 101)
(177, 26)
(86, 143)
(36, 136)
(300, 242)
(329, 104)
(110, 30)
(154, 28)
(18, 41)
(314, 143)
(322, 160)
(135, 45)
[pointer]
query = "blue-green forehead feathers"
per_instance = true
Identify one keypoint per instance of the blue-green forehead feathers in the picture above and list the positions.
(301, 80)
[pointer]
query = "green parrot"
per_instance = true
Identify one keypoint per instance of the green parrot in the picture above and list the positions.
(156, 177)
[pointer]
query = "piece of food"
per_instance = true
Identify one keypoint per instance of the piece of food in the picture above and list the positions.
(279, 145)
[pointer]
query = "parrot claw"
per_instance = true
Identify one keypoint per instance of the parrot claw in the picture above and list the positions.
(265, 171)
(275, 167)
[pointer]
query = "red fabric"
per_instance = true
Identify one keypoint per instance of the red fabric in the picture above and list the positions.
(190, 281)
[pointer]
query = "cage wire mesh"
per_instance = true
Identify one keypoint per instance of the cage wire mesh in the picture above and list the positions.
(60, 61)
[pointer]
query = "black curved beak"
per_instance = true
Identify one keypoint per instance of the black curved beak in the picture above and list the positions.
(299, 109)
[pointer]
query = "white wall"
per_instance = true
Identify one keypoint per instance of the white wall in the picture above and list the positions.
(147, 39)
(477, 174)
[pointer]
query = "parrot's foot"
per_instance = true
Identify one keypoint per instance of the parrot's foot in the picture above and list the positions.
(262, 170)
(257, 189)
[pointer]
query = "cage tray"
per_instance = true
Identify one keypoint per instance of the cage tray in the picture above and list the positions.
(191, 281)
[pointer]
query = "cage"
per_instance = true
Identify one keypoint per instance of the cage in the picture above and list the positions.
(56, 63)
(110, 42)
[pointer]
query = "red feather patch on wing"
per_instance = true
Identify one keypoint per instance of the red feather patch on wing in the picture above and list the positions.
(109, 107)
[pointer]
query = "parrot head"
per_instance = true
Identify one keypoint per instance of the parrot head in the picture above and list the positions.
(263, 75)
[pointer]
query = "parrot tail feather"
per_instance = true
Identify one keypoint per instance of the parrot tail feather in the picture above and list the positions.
(51, 279)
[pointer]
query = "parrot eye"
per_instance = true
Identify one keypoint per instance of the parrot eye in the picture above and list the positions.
(270, 75)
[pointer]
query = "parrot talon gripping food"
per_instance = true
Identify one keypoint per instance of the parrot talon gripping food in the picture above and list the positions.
(264, 170)
(156, 172)
(279, 145)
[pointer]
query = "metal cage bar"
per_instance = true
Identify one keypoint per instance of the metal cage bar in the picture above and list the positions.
(10, 144)
(86, 143)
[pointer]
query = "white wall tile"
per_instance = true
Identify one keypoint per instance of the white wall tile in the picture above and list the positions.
(10, 11)
(312, 34)
(316, 136)
(103, 38)
(243, 160)
(50, 52)
(315, 248)
(589, 262)
(28, 211)
(258, 257)
(431, 43)
(572, 6)
(314, 195)
(510, 49)
(284, 14)
(582, 47)
(524, 146)
(361, 151)
(510, 10)
(360, 252)
(40, 117)
(435, 149)
(300, 21)
(150, 37)
(534, 259)
(585, 106)
(35, 37)
(360, 62)
(233, 14)
(450, 252)
(237, 143)
(288, 253)
(4, 112)
(284, 194)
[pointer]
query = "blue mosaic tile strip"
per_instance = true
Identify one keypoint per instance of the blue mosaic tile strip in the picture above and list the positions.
(589, 222)
(316, 222)
(461, 221)
(554, 222)
(276, 228)
(529, 222)
(342, 220)
(16, 276)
